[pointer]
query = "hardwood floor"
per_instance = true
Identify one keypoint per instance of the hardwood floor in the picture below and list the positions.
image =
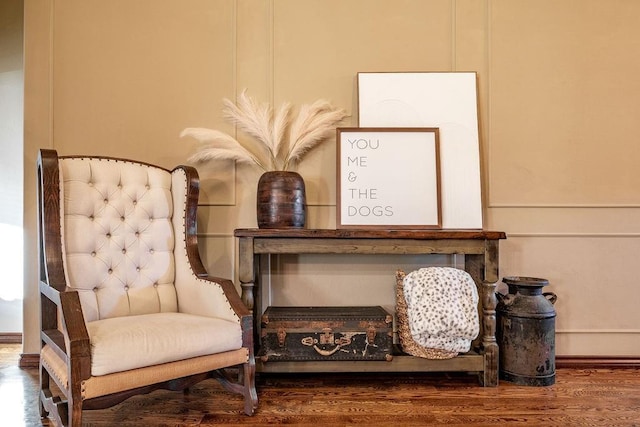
(594, 397)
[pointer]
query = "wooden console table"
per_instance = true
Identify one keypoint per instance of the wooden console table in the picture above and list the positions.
(481, 262)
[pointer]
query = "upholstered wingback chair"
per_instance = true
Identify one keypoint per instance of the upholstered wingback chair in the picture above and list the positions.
(126, 304)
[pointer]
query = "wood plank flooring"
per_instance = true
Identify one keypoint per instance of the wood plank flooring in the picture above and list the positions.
(590, 397)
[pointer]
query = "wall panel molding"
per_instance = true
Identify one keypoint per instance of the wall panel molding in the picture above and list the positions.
(598, 343)
(558, 74)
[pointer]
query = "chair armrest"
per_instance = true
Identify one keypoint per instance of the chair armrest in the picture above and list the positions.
(71, 339)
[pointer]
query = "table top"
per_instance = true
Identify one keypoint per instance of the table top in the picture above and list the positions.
(342, 233)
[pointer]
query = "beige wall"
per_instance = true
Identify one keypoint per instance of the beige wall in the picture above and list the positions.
(558, 103)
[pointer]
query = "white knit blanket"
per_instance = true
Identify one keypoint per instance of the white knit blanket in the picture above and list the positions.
(442, 308)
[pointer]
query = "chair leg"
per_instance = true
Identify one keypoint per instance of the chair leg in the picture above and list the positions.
(44, 391)
(241, 383)
(248, 376)
(74, 406)
(51, 406)
(55, 408)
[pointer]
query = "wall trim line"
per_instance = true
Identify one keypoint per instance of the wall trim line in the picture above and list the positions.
(594, 235)
(597, 331)
(205, 235)
(564, 206)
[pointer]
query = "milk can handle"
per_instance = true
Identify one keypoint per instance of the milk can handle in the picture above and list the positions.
(505, 299)
(551, 297)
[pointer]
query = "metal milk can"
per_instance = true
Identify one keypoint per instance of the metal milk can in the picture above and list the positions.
(526, 332)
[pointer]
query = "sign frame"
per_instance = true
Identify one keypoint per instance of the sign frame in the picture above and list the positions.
(388, 178)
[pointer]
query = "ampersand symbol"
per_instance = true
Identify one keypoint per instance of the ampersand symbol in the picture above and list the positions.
(352, 177)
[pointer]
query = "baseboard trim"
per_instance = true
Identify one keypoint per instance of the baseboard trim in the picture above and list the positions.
(594, 362)
(29, 360)
(32, 360)
(10, 338)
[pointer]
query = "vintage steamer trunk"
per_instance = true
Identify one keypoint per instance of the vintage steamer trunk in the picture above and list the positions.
(326, 333)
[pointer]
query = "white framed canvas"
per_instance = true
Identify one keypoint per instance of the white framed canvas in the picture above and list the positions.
(444, 100)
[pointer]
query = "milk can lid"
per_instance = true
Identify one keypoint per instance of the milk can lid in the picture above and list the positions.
(525, 281)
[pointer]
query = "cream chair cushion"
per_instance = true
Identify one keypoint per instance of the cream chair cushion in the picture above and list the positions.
(130, 342)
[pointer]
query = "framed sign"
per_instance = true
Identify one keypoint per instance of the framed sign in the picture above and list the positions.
(388, 178)
(444, 100)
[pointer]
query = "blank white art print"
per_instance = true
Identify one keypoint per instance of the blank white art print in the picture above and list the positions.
(388, 178)
(447, 101)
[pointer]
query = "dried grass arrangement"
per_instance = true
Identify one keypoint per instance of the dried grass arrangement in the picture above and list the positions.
(279, 140)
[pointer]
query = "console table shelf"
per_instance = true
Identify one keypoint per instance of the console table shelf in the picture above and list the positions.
(468, 362)
(480, 248)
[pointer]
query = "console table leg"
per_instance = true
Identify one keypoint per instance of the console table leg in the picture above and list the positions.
(489, 343)
(246, 271)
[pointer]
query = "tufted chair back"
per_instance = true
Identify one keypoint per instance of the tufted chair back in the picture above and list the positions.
(119, 235)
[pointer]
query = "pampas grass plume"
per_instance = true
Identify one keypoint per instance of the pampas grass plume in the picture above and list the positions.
(313, 124)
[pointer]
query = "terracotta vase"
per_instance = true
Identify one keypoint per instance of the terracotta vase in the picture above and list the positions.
(281, 200)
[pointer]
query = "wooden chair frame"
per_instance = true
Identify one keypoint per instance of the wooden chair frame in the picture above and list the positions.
(63, 327)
